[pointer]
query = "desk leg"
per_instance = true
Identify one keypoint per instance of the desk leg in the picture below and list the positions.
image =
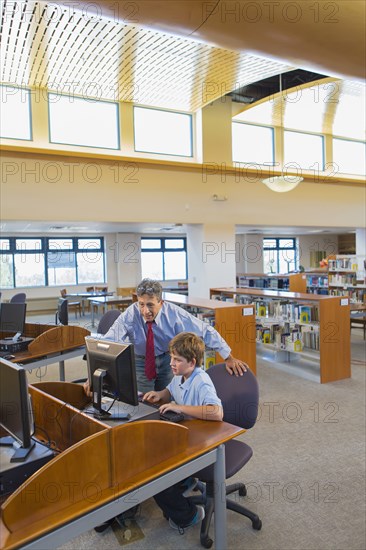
(220, 499)
(61, 368)
(92, 313)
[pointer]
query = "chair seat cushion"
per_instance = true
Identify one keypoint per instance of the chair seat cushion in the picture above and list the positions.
(237, 454)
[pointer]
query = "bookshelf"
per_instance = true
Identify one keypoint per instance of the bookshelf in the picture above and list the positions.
(346, 277)
(235, 323)
(308, 334)
(294, 282)
(317, 282)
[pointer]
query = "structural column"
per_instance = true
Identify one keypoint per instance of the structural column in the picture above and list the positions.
(211, 257)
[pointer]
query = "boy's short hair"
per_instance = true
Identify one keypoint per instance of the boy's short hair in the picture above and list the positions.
(188, 345)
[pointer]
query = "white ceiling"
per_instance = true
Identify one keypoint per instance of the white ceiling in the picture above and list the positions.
(48, 46)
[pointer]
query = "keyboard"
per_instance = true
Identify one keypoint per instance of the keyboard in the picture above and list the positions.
(172, 416)
(6, 355)
(168, 416)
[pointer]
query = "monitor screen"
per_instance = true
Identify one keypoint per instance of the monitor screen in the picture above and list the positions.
(12, 317)
(112, 371)
(15, 409)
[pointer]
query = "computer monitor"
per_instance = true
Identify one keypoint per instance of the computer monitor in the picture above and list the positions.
(12, 317)
(112, 373)
(62, 313)
(15, 409)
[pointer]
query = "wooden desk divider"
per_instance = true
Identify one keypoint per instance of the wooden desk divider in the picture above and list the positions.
(56, 339)
(139, 447)
(59, 419)
(98, 463)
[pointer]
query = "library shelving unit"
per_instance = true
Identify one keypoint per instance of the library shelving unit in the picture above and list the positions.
(235, 323)
(306, 334)
(294, 282)
(343, 277)
(317, 281)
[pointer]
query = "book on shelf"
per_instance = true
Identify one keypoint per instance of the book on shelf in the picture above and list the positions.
(209, 358)
(304, 314)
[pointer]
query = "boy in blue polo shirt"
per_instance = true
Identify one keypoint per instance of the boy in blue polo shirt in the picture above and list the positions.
(190, 392)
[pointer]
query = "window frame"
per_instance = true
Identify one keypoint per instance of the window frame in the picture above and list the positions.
(45, 250)
(277, 249)
(302, 168)
(117, 121)
(162, 249)
(190, 115)
(30, 118)
(251, 162)
(349, 140)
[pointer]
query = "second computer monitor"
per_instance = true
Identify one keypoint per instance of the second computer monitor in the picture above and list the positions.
(112, 370)
(12, 317)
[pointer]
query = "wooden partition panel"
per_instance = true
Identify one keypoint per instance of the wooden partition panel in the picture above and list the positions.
(68, 392)
(335, 340)
(239, 332)
(125, 290)
(74, 480)
(148, 440)
(58, 339)
(59, 422)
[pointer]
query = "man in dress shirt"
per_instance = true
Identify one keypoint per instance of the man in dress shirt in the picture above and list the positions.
(168, 320)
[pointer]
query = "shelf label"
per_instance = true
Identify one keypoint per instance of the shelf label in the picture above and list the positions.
(344, 301)
(248, 311)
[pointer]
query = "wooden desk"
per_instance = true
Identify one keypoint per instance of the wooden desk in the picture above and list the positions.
(52, 344)
(121, 301)
(86, 295)
(105, 471)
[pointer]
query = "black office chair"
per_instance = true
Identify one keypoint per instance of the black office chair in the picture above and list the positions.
(62, 313)
(107, 320)
(18, 298)
(239, 396)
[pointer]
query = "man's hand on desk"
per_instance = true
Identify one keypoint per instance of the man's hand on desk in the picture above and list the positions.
(87, 390)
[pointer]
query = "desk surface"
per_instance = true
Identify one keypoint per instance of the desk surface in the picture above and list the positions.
(105, 300)
(56, 340)
(89, 294)
(358, 307)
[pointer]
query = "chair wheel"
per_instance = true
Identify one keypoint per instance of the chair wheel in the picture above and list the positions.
(242, 492)
(257, 524)
(206, 542)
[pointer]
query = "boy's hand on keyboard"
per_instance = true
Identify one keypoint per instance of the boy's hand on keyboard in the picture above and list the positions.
(151, 396)
(170, 407)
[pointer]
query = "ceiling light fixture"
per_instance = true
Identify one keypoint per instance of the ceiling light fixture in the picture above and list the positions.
(282, 184)
(219, 198)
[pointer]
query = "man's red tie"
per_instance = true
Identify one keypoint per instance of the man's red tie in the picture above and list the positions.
(150, 369)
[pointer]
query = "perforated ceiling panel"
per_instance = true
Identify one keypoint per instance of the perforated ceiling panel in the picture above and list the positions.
(49, 46)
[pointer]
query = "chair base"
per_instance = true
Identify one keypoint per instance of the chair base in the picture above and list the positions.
(207, 499)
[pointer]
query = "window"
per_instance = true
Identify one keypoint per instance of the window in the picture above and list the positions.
(163, 132)
(164, 259)
(15, 122)
(279, 255)
(77, 121)
(32, 262)
(349, 156)
(252, 144)
(303, 151)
